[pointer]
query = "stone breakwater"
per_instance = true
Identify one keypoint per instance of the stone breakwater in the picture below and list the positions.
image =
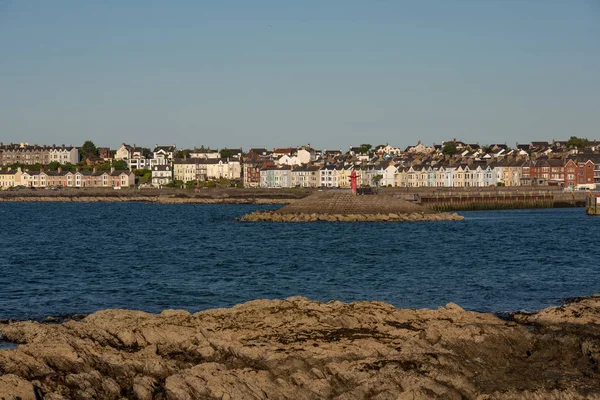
(340, 206)
(301, 349)
(274, 216)
(147, 199)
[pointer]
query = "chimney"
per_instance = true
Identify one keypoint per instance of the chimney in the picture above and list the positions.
(59, 170)
(112, 169)
(94, 170)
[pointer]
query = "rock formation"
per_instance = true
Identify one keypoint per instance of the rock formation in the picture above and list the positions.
(301, 349)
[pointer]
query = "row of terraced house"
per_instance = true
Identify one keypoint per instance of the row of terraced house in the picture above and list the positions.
(43, 179)
(551, 172)
(29, 155)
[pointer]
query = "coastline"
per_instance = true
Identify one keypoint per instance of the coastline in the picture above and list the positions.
(145, 199)
(297, 348)
(463, 200)
(159, 196)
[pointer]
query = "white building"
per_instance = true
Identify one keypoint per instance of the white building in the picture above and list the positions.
(329, 176)
(162, 175)
(163, 155)
(223, 169)
(64, 154)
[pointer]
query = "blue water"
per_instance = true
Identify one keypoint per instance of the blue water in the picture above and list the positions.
(64, 258)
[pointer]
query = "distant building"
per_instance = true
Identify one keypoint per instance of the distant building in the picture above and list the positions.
(162, 175)
(28, 155)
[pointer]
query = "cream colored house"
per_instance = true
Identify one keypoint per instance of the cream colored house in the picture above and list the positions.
(401, 177)
(188, 170)
(344, 175)
(10, 177)
(459, 176)
(223, 168)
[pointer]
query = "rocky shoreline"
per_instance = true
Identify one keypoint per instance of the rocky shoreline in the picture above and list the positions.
(302, 349)
(274, 216)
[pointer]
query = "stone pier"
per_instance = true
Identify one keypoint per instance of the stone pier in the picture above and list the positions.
(342, 206)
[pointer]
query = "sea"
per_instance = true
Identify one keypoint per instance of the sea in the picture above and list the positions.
(61, 259)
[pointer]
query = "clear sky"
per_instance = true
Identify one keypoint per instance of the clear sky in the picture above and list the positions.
(332, 73)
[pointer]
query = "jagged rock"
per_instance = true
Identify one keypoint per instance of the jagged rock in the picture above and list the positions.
(301, 349)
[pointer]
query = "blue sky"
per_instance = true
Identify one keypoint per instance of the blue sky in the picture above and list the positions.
(280, 73)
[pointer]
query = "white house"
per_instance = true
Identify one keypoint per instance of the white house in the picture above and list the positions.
(389, 174)
(163, 155)
(223, 168)
(329, 176)
(64, 154)
(162, 175)
(288, 160)
(305, 156)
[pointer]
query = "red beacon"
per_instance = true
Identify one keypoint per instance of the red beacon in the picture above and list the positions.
(353, 179)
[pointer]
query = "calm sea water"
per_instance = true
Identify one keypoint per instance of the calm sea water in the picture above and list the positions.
(63, 258)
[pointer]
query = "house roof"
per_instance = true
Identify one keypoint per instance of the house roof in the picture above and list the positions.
(168, 148)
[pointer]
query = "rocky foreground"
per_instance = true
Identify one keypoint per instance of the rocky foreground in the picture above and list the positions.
(300, 349)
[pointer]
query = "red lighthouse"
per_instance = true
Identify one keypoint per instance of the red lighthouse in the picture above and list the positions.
(353, 179)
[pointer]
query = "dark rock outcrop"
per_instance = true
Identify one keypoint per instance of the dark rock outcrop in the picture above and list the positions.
(300, 349)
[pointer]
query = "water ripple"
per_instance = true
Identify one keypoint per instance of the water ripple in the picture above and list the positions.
(62, 258)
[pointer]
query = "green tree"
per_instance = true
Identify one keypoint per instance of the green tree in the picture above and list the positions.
(68, 167)
(449, 149)
(120, 165)
(580, 143)
(226, 153)
(88, 149)
(364, 148)
(105, 166)
(142, 175)
(53, 166)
